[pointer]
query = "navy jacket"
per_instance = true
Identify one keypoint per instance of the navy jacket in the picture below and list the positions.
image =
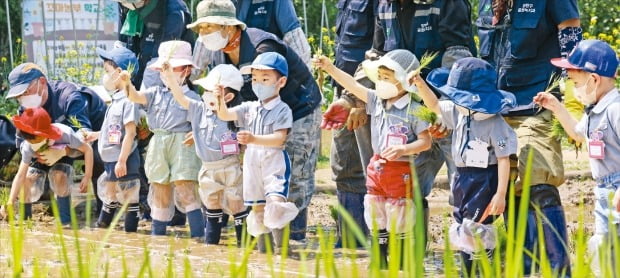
(522, 43)
(423, 28)
(354, 32)
(67, 99)
(274, 16)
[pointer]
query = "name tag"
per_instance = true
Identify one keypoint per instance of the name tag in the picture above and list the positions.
(477, 154)
(396, 139)
(229, 144)
(596, 149)
(114, 134)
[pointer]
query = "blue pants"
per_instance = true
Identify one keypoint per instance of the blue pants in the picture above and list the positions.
(473, 190)
(554, 229)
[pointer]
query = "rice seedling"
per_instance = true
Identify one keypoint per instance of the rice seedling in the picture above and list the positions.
(425, 61)
(425, 114)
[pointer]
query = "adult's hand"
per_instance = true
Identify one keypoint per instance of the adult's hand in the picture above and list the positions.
(438, 130)
(336, 115)
(357, 118)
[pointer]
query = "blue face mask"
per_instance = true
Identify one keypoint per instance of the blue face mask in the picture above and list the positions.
(263, 91)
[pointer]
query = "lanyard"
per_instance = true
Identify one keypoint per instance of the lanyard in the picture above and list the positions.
(467, 128)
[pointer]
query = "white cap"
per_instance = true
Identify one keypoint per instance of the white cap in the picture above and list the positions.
(223, 74)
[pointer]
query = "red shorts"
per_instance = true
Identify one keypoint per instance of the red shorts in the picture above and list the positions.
(390, 179)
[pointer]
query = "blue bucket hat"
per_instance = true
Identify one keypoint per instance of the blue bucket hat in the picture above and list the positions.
(268, 61)
(592, 56)
(121, 56)
(21, 77)
(471, 84)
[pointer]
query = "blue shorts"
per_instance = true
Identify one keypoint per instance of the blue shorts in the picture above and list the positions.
(473, 190)
(133, 168)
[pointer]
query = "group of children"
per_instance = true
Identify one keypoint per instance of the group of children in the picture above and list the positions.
(256, 186)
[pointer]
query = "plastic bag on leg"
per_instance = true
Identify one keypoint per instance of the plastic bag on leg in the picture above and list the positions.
(278, 214)
(255, 224)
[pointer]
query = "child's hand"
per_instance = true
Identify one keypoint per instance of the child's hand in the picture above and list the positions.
(120, 170)
(84, 184)
(167, 75)
(616, 201)
(495, 207)
(189, 139)
(392, 153)
(91, 136)
(548, 101)
(4, 212)
(124, 79)
(415, 78)
(245, 137)
(322, 62)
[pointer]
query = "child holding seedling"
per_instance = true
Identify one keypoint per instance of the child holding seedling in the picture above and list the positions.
(482, 143)
(171, 166)
(35, 126)
(220, 177)
(120, 184)
(398, 136)
(266, 165)
(592, 66)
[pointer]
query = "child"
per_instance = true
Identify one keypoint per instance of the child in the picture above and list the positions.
(592, 66)
(220, 176)
(171, 167)
(266, 165)
(397, 137)
(482, 143)
(43, 138)
(117, 145)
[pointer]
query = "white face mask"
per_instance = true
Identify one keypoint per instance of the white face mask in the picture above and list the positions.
(263, 92)
(108, 83)
(179, 76)
(582, 95)
(31, 101)
(213, 41)
(476, 116)
(386, 90)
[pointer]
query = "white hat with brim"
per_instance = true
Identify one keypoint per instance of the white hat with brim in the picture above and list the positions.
(176, 53)
(223, 74)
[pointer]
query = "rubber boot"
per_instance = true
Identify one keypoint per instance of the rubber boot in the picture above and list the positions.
(27, 211)
(106, 215)
(178, 219)
(383, 248)
(263, 241)
(64, 209)
(131, 218)
(213, 227)
(158, 228)
(196, 223)
(240, 231)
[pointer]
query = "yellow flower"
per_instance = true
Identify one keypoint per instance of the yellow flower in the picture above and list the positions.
(324, 29)
(325, 38)
(3, 59)
(18, 40)
(311, 40)
(593, 20)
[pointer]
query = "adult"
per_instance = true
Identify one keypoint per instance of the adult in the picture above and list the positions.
(519, 38)
(148, 23)
(233, 43)
(350, 148)
(63, 101)
(274, 16)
